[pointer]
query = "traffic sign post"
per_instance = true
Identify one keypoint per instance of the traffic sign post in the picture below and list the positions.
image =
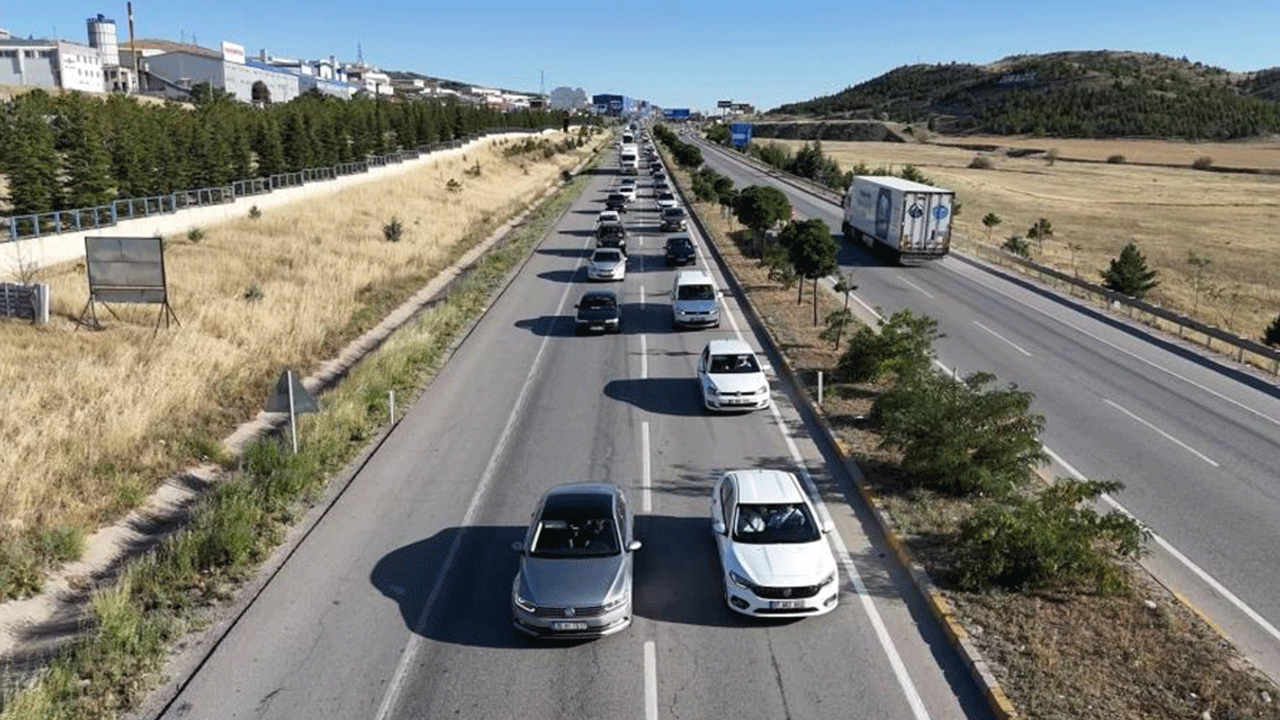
(291, 397)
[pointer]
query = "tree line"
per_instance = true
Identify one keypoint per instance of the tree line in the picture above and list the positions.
(75, 151)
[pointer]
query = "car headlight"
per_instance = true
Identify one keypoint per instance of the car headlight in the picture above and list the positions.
(522, 603)
(614, 604)
(741, 582)
(762, 390)
(828, 579)
(711, 388)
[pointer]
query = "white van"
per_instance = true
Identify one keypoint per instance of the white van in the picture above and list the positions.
(629, 159)
(695, 302)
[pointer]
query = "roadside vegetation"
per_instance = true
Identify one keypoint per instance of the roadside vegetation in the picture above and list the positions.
(96, 420)
(1045, 583)
(233, 528)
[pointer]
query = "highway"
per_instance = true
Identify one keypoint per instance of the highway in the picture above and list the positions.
(1195, 439)
(396, 605)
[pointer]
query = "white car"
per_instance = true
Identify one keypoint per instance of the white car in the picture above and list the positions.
(629, 191)
(608, 216)
(730, 377)
(666, 200)
(607, 264)
(773, 547)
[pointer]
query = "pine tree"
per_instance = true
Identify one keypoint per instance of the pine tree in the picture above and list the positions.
(297, 148)
(129, 162)
(269, 148)
(87, 165)
(32, 163)
(991, 220)
(1272, 335)
(1129, 274)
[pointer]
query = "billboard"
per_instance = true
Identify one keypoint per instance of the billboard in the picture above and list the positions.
(724, 104)
(232, 52)
(126, 270)
(676, 113)
(740, 134)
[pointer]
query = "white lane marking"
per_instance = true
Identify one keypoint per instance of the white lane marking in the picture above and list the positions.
(921, 290)
(644, 358)
(646, 470)
(1208, 579)
(869, 309)
(412, 648)
(1112, 345)
(1164, 434)
(882, 633)
(650, 681)
(1006, 340)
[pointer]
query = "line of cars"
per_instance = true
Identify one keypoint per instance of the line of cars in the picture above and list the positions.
(576, 558)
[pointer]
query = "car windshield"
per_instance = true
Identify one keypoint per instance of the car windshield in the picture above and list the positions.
(612, 231)
(695, 292)
(597, 302)
(574, 535)
(734, 364)
(606, 256)
(679, 243)
(666, 196)
(775, 523)
(673, 212)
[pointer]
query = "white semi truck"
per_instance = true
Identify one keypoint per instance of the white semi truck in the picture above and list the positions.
(905, 219)
(629, 159)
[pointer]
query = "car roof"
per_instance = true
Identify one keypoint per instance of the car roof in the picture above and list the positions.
(688, 277)
(600, 294)
(729, 346)
(767, 486)
(590, 497)
(679, 238)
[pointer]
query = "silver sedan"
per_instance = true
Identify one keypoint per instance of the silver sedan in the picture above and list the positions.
(575, 564)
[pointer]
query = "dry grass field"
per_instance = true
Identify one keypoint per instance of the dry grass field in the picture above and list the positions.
(1259, 154)
(1229, 219)
(93, 420)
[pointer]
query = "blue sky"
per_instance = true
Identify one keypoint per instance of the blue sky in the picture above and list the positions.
(683, 54)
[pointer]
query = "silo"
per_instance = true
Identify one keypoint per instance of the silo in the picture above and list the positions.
(102, 35)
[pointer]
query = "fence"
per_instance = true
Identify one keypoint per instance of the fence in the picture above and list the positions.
(20, 227)
(27, 301)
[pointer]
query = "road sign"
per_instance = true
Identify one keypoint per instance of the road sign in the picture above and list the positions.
(293, 398)
(740, 134)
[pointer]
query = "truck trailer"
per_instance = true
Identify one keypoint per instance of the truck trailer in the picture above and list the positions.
(906, 220)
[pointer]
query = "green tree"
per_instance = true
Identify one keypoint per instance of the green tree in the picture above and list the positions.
(990, 221)
(87, 165)
(1040, 231)
(812, 251)
(904, 346)
(269, 148)
(1128, 274)
(31, 163)
(760, 207)
(718, 134)
(961, 437)
(1272, 335)
(841, 320)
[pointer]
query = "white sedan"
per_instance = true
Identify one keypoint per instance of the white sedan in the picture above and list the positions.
(607, 264)
(731, 378)
(773, 549)
(666, 200)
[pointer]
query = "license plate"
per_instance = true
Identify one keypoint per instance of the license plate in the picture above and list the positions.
(739, 402)
(786, 604)
(597, 327)
(568, 626)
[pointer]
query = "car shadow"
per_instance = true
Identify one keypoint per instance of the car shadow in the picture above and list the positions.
(649, 318)
(550, 325)
(566, 252)
(690, 591)
(576, 275)
(665, 396)
(473, 603)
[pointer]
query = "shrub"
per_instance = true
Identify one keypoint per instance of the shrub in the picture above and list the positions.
(253, 293)
(904, 345)
(195, 234)
(473, 171)
(1202, 163)
(980, 162)
(912, 173)
(393, 230)
(453, 185)
(254, 213)
(1016, 245)
(1116, 159)
(1129, 274)
(1272, 335)
(961, 437)
(1049, 540)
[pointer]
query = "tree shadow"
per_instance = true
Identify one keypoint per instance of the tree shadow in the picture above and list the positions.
(664, 396)
(473, 605)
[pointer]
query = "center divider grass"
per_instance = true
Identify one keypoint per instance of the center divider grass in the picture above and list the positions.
(235, 527)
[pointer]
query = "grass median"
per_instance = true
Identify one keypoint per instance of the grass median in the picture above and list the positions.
(1068, 652)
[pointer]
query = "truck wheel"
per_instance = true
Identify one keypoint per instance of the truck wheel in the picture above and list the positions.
(847, 230)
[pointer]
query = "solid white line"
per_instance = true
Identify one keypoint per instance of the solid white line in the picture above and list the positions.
(1009, 342)
(882, 633)
(650, 681)
(646, 471)
(1166, 435)
(1209, 580)
(1112, 345)
(869, 309)
(415, 639)
(924, 292)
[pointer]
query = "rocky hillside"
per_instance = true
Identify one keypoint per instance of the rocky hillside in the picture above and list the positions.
(1070, 94)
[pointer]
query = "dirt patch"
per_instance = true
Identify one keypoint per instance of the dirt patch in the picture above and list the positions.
(1058, 655)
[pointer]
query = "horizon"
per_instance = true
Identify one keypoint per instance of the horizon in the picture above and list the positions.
(668, 53)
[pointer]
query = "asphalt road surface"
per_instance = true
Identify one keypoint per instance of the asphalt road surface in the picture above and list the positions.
(1195, 439)
(397, 605)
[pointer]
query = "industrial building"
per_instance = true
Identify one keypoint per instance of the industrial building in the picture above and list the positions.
(51, 64)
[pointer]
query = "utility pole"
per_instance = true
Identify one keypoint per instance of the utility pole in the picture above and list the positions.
(137, 76)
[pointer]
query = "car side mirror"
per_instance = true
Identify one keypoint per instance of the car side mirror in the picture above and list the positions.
(518, 546)
(633, 546)
(828, 526)
(718, 528)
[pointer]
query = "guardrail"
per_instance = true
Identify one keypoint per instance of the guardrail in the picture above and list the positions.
(1183, 323)
(22, 227)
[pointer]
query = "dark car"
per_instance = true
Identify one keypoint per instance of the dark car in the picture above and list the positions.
(674, 219)
(680, 250)
(612, 235)
(656, 172)
(598, 311)
(616, 201)
(575, 565)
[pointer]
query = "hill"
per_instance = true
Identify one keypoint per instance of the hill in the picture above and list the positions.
(1066, 94)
